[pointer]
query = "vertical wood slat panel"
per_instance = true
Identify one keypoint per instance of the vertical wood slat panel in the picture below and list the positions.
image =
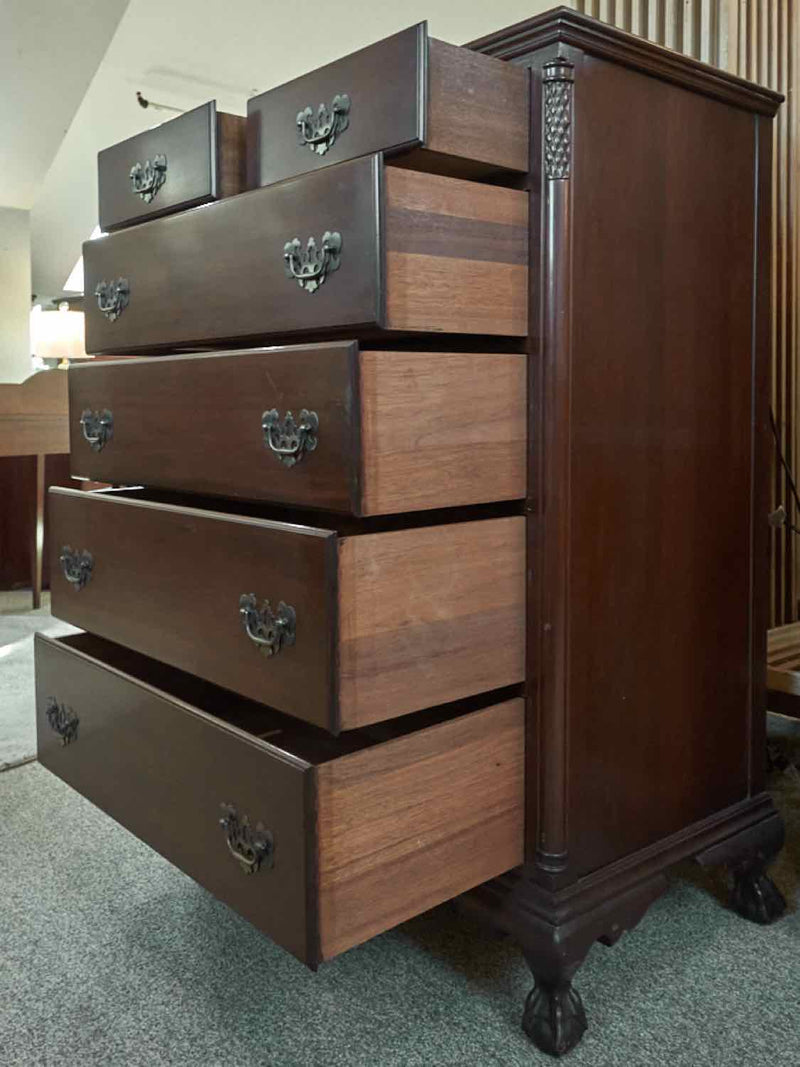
(758, 40)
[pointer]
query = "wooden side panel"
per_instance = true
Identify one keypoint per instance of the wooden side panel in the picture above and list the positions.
(478, 107)
(441, 429)
(231, 154)
(417, 820)
(658, 545)
(167, 581)
(456, 255)
(162, 770)
(33, 415)
(429, 615)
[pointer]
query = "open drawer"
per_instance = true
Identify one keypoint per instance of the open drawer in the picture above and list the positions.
(320, 843)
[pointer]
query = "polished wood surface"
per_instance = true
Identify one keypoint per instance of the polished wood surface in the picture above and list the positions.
(456, 255)
(452, 257)
(418, 627)
(463, 113)
(387, 623)
(33, 426)
(398, 822)
(33, 415)
(398, 431)
(342, 815)
(205, 153)
(661, 403)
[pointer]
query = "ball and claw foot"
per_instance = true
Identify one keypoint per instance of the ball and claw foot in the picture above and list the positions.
(554, 1018)
(755, 896)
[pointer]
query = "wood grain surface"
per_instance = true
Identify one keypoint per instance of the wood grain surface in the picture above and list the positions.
(408, 824)
(456, 255)
(441, 429)
(429, 615)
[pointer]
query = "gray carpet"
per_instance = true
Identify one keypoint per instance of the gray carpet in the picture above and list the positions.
(109, 956)
(17, 725)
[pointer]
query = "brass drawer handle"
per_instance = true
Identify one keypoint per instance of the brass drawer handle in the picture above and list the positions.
(112, 297)
(288, 439)
(311, 266)
(98, 428)
(63, 720)
(319, 132)
(249, 846)
(268, 629)
(77, 566)
(147, 180)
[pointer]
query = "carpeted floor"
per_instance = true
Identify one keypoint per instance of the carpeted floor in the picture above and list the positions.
(109, 956)
(17, 627)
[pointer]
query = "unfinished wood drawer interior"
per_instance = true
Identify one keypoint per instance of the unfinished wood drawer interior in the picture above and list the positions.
(323, 426)
(192, 159)
(459, 112)
(360, 249)
(337, 627)
(344, 839)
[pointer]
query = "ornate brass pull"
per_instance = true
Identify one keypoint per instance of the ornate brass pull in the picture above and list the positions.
(63, 720)
(147, 180)
(112, 297)
(77, 566)
(268, 629)
(319, 132)
(98, 428)
(288, 439)
(311, 266)
(249, 846)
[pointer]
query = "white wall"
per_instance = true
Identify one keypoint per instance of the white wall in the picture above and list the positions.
(184, 53)
(15, 294)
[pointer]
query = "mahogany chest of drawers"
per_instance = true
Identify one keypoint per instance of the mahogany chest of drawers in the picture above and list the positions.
(427, 601)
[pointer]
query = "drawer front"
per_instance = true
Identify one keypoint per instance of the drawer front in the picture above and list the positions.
(359, 629)
(371, 100)
(163, 770)
(192, 159)
(168, 582)
(351, 838)
(459, 112)
(374, 432)
(219, 272)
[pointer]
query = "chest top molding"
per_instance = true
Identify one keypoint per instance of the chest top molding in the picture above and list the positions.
(519, 43)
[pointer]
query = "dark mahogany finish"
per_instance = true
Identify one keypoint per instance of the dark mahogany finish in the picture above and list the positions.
(416, 253)
(217, 272)
(648, 377)
(167, 582)
(205, 160)
(195, 423)
(464, 114)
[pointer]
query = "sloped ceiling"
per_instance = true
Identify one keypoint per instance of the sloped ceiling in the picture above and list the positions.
(49, 51)
(182, 53)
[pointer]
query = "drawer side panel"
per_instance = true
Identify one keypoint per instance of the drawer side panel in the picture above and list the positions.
(415, 821)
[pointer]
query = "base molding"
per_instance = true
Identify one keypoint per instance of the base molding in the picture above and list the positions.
(556, 927)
